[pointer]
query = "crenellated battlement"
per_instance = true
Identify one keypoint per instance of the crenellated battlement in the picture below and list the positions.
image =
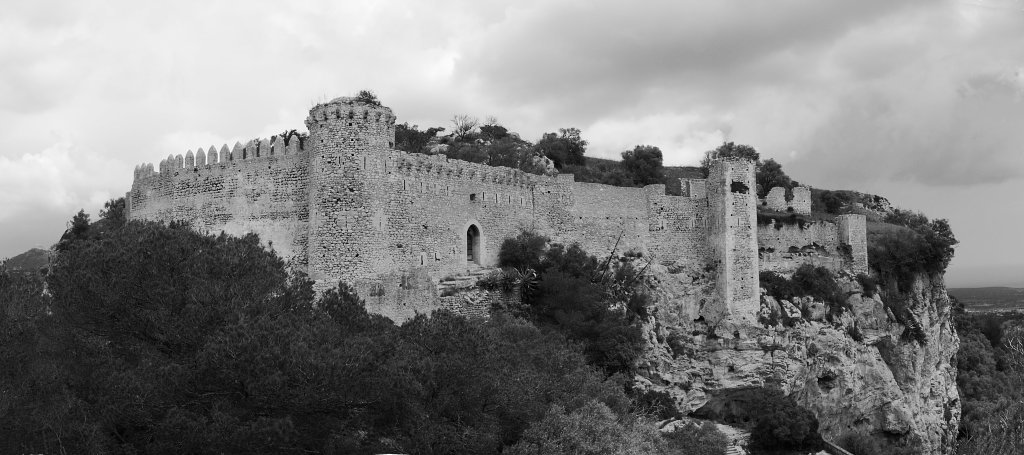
(276, 146)
(439, 167)
(349, 121)
(350, 109)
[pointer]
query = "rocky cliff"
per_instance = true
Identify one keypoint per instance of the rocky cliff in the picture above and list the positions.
(858, 369)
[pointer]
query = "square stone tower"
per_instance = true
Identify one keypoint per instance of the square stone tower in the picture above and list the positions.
(732, 206)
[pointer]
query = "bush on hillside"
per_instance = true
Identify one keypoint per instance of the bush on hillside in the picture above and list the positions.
(703, 439)
(590, 430)
(598, 303)
(899, 254)
(807, 280)
(782, 424)
(818, 282)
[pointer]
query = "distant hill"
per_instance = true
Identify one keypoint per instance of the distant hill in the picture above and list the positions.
(31, 260)
(990, 299)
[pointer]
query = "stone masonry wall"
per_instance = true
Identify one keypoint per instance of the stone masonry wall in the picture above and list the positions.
(801, 202)
(853, 231)
(733, 210)
(235, 191)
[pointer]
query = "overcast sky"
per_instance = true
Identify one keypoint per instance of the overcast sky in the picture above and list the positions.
(919, 101)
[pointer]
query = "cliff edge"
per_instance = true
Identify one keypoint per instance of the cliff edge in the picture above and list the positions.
(859, 369)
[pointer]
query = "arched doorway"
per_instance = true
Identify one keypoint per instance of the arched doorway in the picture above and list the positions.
(473, 245)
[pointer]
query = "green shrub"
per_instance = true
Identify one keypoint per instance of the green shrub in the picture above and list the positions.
(859, 443)
(898, 254)
(808, 280)
(782, 424)
(524, 251)
(778, 286)
(693, 439)
(818, 282)
(868, 283)
(591, 430)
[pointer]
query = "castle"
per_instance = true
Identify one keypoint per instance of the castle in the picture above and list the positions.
(343, 205)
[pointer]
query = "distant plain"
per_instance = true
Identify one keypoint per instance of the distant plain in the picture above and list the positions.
(990, 299)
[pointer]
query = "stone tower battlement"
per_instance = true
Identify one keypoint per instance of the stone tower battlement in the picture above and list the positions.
(343, 205)
(350, 119)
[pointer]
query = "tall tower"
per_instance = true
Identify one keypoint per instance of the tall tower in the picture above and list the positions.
(343, 134)
(732, 207)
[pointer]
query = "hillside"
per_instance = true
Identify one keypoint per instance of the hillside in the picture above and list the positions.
(33, 259)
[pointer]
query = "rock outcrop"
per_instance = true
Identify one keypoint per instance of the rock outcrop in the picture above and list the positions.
(857, 369)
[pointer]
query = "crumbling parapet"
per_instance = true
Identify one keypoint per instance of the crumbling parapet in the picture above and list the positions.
(776, 199)
(694, 188)
(800, 203)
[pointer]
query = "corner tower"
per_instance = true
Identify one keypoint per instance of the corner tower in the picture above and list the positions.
(732, 207)
(343, 134)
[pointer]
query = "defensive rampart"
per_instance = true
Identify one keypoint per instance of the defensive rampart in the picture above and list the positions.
(343, 205)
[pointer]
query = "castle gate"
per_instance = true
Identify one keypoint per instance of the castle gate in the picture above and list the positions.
(472, 244)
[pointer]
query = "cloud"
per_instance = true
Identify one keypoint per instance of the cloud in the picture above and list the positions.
(60, 177)
(842, 93)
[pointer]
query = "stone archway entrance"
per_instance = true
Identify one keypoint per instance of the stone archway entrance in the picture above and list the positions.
(473, 251)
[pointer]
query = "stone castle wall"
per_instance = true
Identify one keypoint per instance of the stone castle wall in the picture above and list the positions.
(801, 202)
(235, 192)
(344, 205)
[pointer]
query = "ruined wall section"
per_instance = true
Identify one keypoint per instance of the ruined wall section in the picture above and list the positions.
(732, 235)
(777, 237)
(259, 187)
(801, 202)
(677, 226)
(785, 247)
(835, 245)
(853, 231)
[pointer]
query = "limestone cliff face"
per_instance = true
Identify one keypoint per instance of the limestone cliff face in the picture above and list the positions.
(864, 371)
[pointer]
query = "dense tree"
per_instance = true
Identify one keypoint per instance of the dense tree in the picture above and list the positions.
(729, 150)
(644, 165)
(990, 379)
(770, 175)
(591, 430)
(463, 125)
(368, 97)
(411, 139)
(566, 147)
(156, 339)
(113, 212)
(599, 303)
(492, 131)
